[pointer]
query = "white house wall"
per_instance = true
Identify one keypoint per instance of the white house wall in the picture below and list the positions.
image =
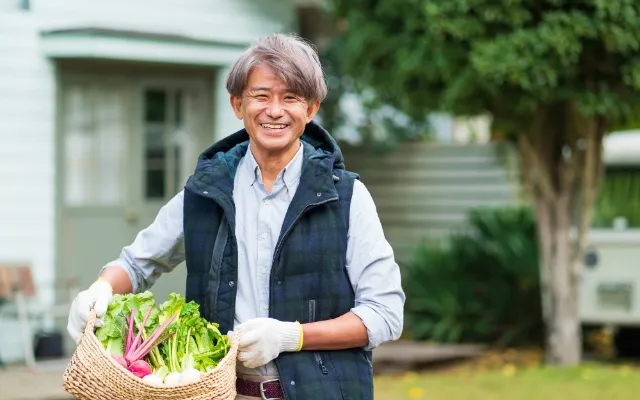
(232, 21)
(26, 158)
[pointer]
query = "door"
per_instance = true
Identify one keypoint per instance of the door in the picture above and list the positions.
(127, 145)
(171, 138)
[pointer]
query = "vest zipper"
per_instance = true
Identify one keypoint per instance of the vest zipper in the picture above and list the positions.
(312, 311)
(324, 369)
(318, 357)
(230, 236)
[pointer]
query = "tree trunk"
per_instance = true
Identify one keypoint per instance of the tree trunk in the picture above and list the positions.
(560, 290)
(562, 161)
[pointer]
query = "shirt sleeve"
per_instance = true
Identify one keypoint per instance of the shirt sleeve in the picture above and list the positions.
(157, 249)
(374, 273)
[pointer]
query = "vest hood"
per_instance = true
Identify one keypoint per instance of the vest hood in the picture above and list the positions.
(234, 146)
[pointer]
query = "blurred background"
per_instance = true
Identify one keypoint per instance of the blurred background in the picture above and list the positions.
(105, 106)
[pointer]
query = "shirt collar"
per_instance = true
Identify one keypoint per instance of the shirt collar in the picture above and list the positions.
(290, 174)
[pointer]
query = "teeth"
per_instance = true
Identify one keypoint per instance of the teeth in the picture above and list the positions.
(271, 126)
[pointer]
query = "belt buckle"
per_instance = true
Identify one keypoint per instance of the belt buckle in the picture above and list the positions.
(263, 396)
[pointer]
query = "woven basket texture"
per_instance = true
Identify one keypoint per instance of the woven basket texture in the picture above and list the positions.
(92, 374)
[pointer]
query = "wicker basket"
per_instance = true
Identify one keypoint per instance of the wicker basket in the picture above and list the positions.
(92, 374)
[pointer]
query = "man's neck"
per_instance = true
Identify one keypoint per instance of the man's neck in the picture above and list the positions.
(272, 163)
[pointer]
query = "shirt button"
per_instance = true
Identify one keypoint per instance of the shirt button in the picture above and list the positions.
(265, 307)
(267, 202)
(264, 235)
(231, 283)
(263, 270)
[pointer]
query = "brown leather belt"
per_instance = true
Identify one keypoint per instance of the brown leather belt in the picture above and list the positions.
(264, 390)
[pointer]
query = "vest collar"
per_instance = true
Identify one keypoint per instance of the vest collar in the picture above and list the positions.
(217, 166)
(215, 180)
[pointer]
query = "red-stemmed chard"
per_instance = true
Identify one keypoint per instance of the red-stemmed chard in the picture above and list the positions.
(136, 349)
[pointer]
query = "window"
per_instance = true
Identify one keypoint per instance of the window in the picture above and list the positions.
(94, 137)
(167, 141)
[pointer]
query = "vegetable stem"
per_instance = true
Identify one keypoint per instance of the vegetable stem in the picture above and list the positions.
(130, 332)
(144, 348)
(154, 354)
(138, 339)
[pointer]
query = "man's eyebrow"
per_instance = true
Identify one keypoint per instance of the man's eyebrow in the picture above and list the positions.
(266, 89)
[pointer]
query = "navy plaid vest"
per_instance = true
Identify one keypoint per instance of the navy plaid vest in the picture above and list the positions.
(308, 279)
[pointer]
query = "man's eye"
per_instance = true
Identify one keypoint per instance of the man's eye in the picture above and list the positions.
(262, 97)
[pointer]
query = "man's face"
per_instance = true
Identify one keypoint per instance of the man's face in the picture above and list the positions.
(273, 116)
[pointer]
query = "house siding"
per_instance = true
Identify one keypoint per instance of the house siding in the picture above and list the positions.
(27, 174)
(423, 191)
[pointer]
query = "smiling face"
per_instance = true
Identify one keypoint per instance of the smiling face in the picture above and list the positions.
(273, 115)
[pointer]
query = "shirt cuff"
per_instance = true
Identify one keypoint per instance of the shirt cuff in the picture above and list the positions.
(374, 324)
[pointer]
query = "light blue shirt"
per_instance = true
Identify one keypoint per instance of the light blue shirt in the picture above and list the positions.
(371, 267)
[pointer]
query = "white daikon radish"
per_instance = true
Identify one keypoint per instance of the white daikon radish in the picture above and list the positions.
(152, 380)
(189, 375)
(173, 379)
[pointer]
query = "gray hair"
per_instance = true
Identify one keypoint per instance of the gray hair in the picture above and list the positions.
(293, 59)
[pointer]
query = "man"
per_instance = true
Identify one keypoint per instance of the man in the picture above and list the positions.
(280, 242)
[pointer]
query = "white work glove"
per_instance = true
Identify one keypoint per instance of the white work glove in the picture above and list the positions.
(263, 339)
(98, 297)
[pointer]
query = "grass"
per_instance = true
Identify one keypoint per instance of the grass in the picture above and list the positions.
(512, 381)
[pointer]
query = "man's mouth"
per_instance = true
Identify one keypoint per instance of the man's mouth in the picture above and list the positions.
(273, 126)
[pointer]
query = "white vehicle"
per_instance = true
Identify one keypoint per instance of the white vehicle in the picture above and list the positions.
(610, 285)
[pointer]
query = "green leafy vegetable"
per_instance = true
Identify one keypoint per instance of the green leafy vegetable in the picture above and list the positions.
(111, 333)
(197, 343)
(194, 342)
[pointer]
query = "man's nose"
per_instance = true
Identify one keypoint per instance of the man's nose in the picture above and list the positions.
(275, 109)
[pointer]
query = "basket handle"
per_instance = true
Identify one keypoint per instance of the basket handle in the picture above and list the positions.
(88, 329)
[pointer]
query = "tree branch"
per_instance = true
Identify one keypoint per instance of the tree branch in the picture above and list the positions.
(538, 172)
(591, 180)
(570, 168)
(545, 228)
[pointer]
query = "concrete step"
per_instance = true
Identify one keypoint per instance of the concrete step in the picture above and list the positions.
(405, 355)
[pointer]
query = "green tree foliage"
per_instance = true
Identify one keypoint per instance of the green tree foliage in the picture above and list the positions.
(554, 75)
(505, 57)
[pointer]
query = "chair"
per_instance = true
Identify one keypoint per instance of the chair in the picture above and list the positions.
(18, 293)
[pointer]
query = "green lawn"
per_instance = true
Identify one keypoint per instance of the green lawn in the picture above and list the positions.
(590, 381)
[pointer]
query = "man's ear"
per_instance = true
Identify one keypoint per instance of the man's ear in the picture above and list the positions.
(312, 110)
(236, 104)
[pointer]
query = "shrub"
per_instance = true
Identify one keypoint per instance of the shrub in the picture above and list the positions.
(618, 198)
(480, 286)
